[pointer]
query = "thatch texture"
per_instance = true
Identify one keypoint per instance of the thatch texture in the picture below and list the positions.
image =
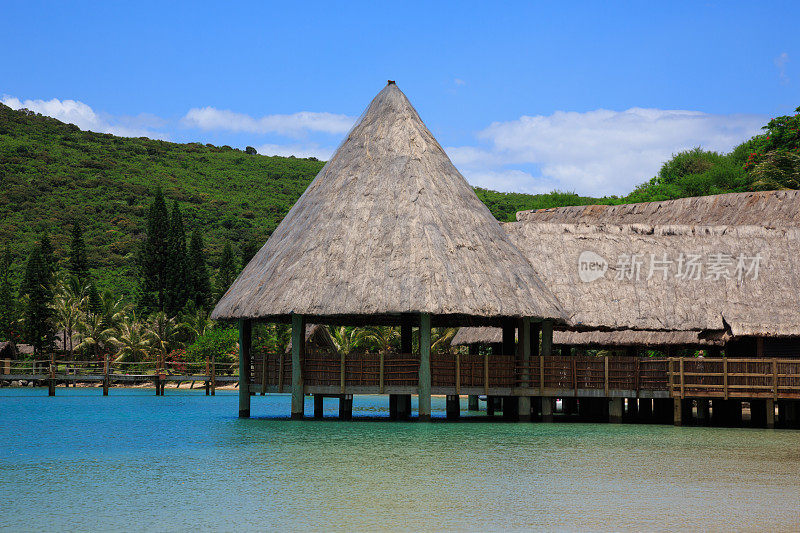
(388, 226)
(318, 339)
(767, 208)
(623, 338)
(764, 306)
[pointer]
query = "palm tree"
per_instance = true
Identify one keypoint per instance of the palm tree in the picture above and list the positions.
(346, 339)
(92, 333)
(164, 334)
(384, 338)
(440, 339)
(197, 324)
(112, 309)
(131, 340)
(69, 301)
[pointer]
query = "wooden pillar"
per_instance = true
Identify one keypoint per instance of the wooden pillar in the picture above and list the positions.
(703, 418)
(298, 352)
(490, 405)
(472, 402)
(524, 407)
(453, 407)
(663, 410)
(346, 407)
(645, 409)
(393, 406)
(677, 411)
(319, 408)
(547, 409)
(770, 408)
(245, 341)
(547, 338)
(424, 386)
(615, 410)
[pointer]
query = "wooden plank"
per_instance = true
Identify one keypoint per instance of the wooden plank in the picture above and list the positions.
(458, 373)
(682, 379)
(775, 380)
(486, 374)
(725, 376)
(381, 387)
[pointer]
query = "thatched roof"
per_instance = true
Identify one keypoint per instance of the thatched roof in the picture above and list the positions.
(317, 335)
(767, 208)
(764, 306)
(388, 226)
(649, 339)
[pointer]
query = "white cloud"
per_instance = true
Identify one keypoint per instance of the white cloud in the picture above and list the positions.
(296, 150)
(459, 81)
(597, 152)
(781, 62)
(294, 125)
(83, 116)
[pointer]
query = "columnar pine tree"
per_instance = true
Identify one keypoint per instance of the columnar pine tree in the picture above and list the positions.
(199, 282)
(78, 265)
(48, 256)
(38, 318)
(249, 249)
(8, 301)
(176, 286)
(154, 255)
(94, 304)
(226, 273)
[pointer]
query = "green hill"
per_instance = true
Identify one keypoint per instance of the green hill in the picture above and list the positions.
(53, 174)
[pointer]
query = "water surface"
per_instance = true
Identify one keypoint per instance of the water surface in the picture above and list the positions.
(133, 460)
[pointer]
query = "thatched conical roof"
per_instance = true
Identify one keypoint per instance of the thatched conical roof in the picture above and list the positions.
(388, 226)
(762, 208)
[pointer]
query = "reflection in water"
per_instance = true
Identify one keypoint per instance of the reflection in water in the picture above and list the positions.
(134, 460)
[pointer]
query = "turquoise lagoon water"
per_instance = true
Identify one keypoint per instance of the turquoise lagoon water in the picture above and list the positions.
(134, 461)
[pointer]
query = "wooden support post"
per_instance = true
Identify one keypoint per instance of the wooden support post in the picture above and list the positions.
(458, 373)
(298, 352)
(547, 409)
(346, 407)
(677, 411)
(546, 351)
(318, 406)
(213, 374)
(703, 418)
(645, 409)
(725, 376)
(245, 341)
(263, 373)
(683, 390)
(758, 413)
(51, 382)
(393, 406)
(774, 380)
(381, 386)
(524, 407)
(105, 376)
(342, 372)
(424, 386)
(615, 410)
(453, 406)
(281, 357)
(770, 408)
(490, 406)
(486, 373)
(472, 402)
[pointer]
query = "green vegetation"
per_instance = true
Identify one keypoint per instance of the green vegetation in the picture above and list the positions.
(118, 250)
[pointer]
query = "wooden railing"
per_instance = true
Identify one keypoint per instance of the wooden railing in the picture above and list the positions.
(681, 377)
(724, 377)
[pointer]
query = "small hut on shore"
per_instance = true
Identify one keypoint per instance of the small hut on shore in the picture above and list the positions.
(389, 232)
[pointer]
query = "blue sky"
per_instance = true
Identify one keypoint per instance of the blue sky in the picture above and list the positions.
(588, 97)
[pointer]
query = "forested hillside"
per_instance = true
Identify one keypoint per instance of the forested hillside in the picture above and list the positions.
(53, 175)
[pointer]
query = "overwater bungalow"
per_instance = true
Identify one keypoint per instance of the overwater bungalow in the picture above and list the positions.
(389, 233)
